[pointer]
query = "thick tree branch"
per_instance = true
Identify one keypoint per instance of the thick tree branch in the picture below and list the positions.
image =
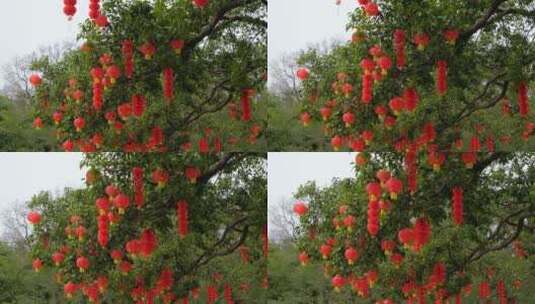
(483, 21)
(213, 252)
(211, 27)
(219, 166)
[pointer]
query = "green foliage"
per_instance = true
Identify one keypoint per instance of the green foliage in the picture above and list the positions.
(285, 134)
(498, 212)
(16, 133)
(224, 54)
(481, 80)
(19, 283)
(226, 211)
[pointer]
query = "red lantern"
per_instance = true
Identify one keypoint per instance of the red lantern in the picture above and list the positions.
(442, 71)
(121, 202)
(303, 74)
(338, 282)
(70, 289)
(168, 84)
(182, 217)
(36, 80)
(457, 205)
(421, 40)
(394, 186)
(406, 236)
(192, 174)
(373, 217)
(336, 142)
(246, 105)
(300, 208)
(367, 90)
(351, 255)
(200, 3)
(82, 263)
(371, 9)
(484, 290)
(411, 98)
(523, 102)
(348, 118)
(397, 105)
(451, 36)
(399, 48)
(303, 258)
(325, 250)
(79, 124)
(34, 218)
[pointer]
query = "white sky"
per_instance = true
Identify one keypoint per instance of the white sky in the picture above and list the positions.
(26, 25)
(295, 24)
(287, 171)
(26, 174)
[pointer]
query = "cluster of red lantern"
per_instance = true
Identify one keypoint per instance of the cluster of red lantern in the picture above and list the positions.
(417, 236)
(69, 8)
(94, 9)
(373, 217)
(144, 246)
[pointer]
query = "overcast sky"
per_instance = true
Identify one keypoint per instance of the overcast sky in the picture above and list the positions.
(25, 174)
(287, 171)
(295, 24)
(26, 25)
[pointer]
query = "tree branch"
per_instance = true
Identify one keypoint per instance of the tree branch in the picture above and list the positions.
(483, 21)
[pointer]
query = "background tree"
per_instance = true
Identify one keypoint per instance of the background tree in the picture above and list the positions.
(450, 70)
(126, 237)
(155, 75)
(424, 242)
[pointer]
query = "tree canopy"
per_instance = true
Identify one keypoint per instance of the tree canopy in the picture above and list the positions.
(157, 227)
(159, 75)
(448, 72)
(443, 236)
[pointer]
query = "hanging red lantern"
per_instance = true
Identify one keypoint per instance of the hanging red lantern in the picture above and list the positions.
(484, 290)
(373, 217)
(304, 258)
(394, 186)
(422, 233)
(399, 48)
(441, 82)
(338, 282)
(411, 98)
(457, 205)
(246, 104)
(168, 84)
(303, 74)
(351, 255)
(94, 9)
(421, 40)
(451, 36)
(300, 208)
(523, 102)
(182, 218)
(69, 8)
(367, 90)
